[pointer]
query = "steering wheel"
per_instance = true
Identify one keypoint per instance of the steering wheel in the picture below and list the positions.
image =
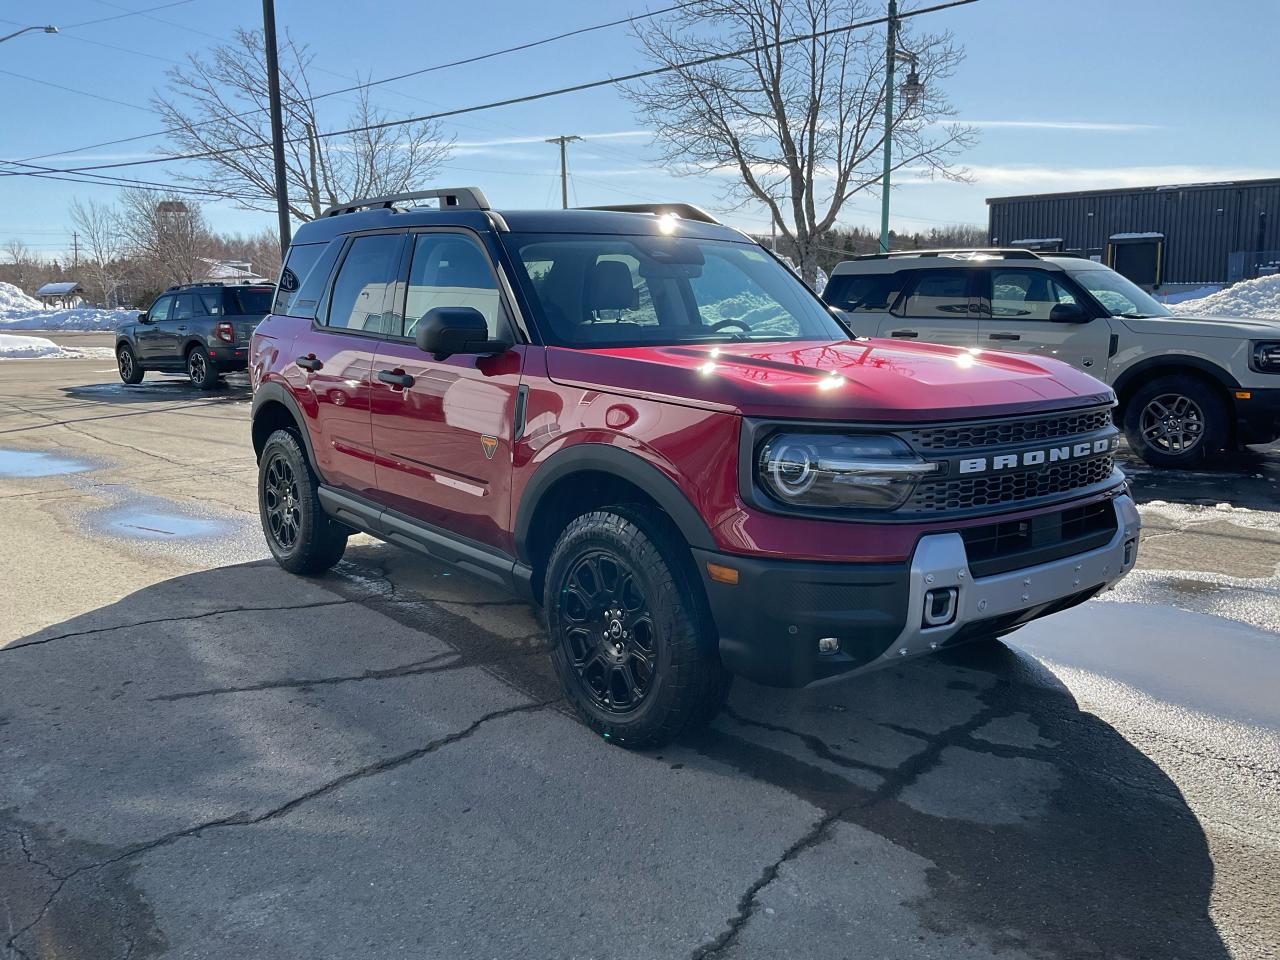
(731, 322)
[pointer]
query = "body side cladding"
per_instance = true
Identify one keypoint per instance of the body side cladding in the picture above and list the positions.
(1174, 363)
(273, 392)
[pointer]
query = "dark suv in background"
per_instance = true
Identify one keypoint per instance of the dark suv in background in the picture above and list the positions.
(200, 328)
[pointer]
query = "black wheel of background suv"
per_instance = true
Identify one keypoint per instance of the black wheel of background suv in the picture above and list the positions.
(631, 639)
(127, 363)
(204, 375)
(1175, 421)
(302, 537)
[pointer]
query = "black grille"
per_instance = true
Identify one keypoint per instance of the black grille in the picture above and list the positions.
(1015, 544)
(965, 493)
(994, 434)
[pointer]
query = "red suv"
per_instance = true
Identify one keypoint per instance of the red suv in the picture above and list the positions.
(644, 422)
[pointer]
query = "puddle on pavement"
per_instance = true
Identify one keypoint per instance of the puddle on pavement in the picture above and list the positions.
(143, 524)
(34, 463)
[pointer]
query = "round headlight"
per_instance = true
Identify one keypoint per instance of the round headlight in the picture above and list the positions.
(837, 470)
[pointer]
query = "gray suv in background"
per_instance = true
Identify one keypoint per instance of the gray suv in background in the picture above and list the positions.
(200, 328)
(1186, 385)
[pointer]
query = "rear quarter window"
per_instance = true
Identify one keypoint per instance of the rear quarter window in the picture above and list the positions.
(302, 281)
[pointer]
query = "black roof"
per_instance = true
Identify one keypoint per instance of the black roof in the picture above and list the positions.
(1162, 188)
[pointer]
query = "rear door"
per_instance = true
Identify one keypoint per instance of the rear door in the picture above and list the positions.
(334, 358)
(1017, 306)
(443, 429)
(935, 306)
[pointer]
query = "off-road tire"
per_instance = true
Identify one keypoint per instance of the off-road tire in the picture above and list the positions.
(127, 363)
(1195, 408)
(200, 369)
(688, 684)
(307, 541)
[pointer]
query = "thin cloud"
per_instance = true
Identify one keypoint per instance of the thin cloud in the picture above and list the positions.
(996, 177)
(487, 146)
(1081, 125)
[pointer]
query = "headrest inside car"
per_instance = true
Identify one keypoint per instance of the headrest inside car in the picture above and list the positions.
(609, 287)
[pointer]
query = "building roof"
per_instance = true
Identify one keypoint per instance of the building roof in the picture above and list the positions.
(1266, 182)
(60, 289)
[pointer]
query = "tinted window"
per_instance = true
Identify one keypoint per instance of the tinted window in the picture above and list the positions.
(249, 301)
(211, 302)
(302, 258)
(863, 291)
(184, 307)
(450, 270)
(617, 290)
(160, 309)
(359, 295)
(938, 293)
(1026, 294)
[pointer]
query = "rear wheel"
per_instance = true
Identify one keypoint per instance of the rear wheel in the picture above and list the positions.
(631, 640)
(200, 368)
(127, 363)
(301, 536)
(1175, 421)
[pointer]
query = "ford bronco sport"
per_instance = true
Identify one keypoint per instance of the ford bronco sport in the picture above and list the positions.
(200, 328)
(645, 422)
(1186, 385)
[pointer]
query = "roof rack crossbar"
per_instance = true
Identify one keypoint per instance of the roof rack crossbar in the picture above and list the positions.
(1008, 253)
(685, 211)
(462, 198)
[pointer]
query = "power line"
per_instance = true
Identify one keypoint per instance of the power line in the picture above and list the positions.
(127, 13)
(373, 83)
(532, 97)
(83, 93)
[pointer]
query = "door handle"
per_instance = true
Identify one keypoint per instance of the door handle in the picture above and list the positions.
(1005, 336)
(183, 328)
(397, 378)
(906, 334)
(309, 362)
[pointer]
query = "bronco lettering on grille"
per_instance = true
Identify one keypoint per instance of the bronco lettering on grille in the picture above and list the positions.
(1034, 458)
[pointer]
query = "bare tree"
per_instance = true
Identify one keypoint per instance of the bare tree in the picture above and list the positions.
(220, 106)
(104, 247)
(166, 235)
(798, 127)
(20, 261)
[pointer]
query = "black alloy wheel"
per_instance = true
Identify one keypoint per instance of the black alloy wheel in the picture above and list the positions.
(281, 502)
(127, 363)
(301, 536)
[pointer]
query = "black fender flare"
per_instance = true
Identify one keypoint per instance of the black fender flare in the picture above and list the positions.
(271, 392)
(605, 458)
(1172, 361)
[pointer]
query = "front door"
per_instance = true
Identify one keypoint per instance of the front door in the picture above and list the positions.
(442, 429)
(935, 306)
(148, 336)
(1019, 318)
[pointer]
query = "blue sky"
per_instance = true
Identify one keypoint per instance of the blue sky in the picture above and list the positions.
(1067, 95)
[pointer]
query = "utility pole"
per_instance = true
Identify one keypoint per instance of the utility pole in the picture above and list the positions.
(564, 169)
(911, 91)
(75, 250)
(277, 124)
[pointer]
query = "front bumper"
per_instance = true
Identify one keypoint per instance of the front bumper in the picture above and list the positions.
(771, 620)
(1258, 415)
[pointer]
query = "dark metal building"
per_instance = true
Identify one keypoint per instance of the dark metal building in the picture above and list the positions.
(1195, 233)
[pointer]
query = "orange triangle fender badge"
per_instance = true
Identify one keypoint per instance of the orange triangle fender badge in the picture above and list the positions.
(490, 445)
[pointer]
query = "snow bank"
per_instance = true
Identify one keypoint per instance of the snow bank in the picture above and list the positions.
(14, 347)
(1248, 298)
(21, 312)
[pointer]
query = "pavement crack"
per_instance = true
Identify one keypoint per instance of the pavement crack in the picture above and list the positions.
(193, 616)
(815, 745)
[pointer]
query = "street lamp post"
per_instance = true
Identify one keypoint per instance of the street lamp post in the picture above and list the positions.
(18, 33)
(911, 91)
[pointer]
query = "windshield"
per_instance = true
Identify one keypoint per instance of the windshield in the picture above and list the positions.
(597, 290)
(1121, 297)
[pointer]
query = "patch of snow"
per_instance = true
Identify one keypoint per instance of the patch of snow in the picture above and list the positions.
(1182, 296)
(1258, 298)
(1137, 236)
(14, 347)
(21, 312)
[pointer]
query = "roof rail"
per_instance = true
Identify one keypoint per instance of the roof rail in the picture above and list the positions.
(685, 211)
(1006, 253)
(260, 282)
(463, 198)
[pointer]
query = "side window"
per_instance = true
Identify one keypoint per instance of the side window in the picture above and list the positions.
(450, 270)
(300, 266)
(938, 293)
(210, 302)
(359, 297)
(1026, 294)
(160, 309)
(866, 292)
(183, 307)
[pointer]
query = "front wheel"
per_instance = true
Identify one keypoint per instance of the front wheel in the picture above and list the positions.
(200, 368)
(631, 639)
(300, 535)
(127, 362)
(1175, 421)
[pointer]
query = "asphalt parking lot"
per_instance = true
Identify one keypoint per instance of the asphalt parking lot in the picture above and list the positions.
(203, 756)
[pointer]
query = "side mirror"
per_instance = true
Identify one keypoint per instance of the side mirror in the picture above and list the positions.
(444, 331)
(1068, 313)
(144, 317)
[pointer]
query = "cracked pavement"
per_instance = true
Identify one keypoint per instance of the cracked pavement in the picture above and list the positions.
(204, 756)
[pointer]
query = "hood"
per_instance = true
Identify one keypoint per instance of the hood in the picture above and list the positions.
(1231, 328)
(868, 380)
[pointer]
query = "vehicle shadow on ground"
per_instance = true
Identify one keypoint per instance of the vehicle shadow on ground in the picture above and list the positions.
(1034, 827)
(233, 388)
